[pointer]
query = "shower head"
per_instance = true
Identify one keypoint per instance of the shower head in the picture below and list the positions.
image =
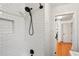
(28, 9)
(41, 6)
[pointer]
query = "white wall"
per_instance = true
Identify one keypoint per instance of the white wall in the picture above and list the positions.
(36, 41)
(62, 9)
(13, 44)
(47, 30)
(23, 41)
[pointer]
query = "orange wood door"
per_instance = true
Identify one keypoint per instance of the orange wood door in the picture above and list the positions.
(63, 49)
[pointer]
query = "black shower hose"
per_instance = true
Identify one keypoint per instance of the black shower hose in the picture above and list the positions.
(31, 25)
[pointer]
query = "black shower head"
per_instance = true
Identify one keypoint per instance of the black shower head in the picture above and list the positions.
(28, 9)
(41, 6)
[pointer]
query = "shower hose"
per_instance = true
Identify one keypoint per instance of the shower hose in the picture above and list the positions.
(31, 29)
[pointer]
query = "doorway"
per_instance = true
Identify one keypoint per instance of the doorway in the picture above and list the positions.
(64, 25)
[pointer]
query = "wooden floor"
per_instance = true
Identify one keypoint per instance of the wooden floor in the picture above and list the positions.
(63, 48)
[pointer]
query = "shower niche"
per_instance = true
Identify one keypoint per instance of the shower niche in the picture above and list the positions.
(6, 31)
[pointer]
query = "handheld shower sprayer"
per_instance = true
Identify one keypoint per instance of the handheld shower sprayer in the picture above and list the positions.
(27, 9)
(31, 29)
